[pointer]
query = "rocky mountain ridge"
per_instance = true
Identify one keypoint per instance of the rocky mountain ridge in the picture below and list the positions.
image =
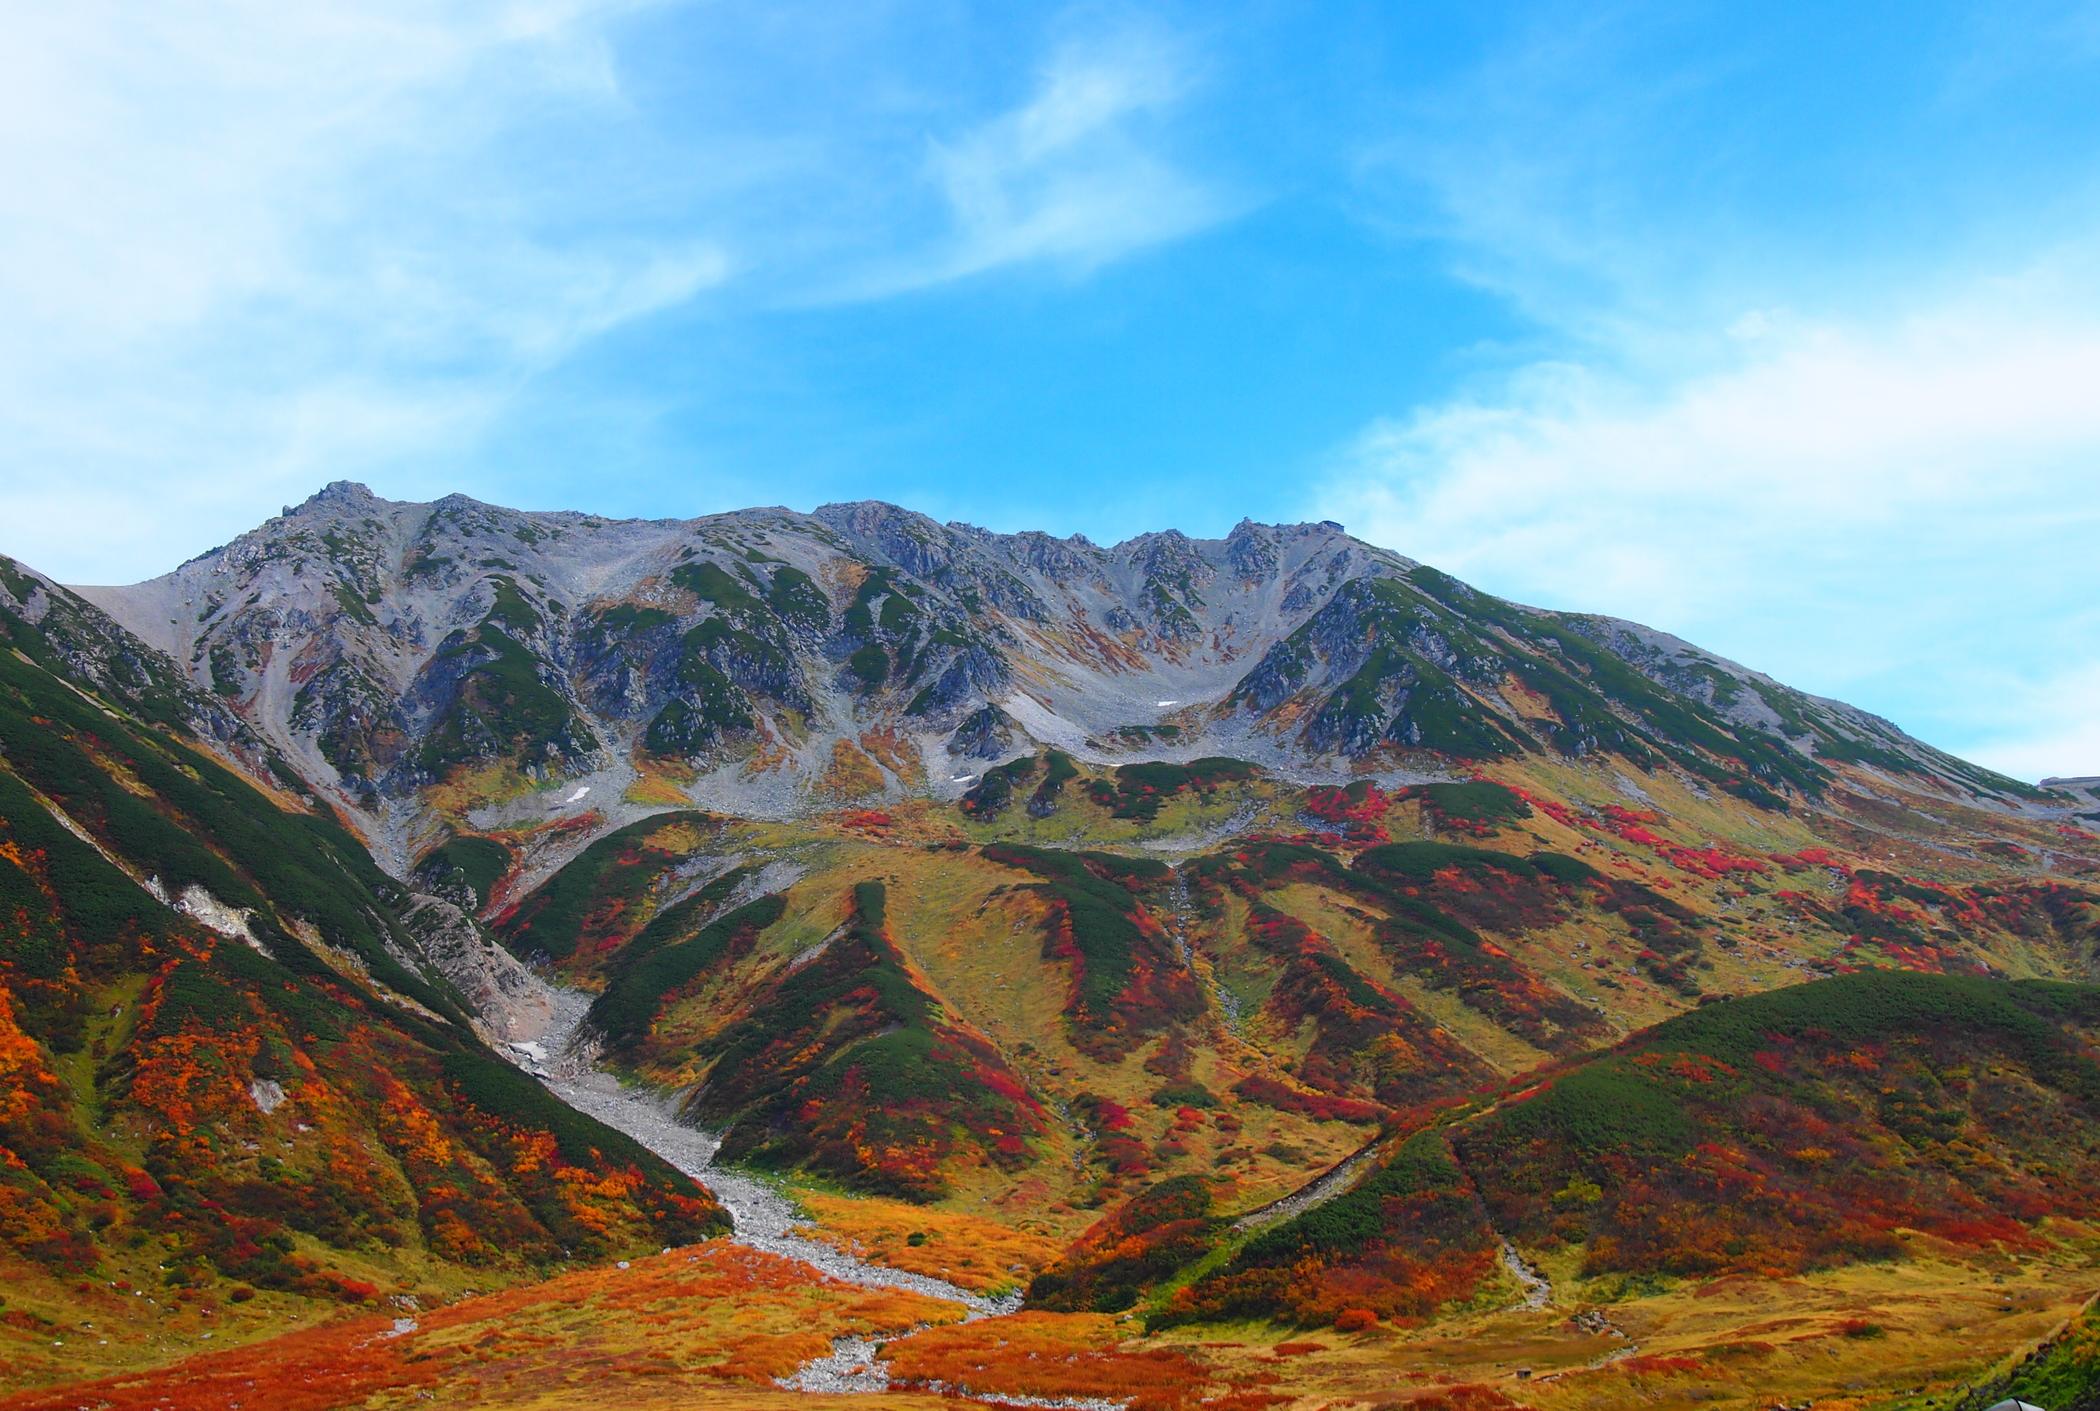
(427, 664)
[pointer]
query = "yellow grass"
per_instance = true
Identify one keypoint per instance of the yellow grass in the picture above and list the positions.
(976, 1253)
(656, 790)
(851, 774)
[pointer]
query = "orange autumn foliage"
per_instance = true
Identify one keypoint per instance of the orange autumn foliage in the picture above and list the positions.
(23, 1071)
(1069, 1355)
(699, 1317)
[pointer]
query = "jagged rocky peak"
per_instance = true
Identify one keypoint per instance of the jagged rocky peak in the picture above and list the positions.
(338, 492)
(764, 660)
(1062, 560)
(1251, 550)
(904, 537)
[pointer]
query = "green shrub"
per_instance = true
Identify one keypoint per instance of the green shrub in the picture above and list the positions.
(477, 862)
(1478, 801)
(870, 664)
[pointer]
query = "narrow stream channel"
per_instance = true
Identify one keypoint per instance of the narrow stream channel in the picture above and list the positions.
(1178, 917)
(762, 1218)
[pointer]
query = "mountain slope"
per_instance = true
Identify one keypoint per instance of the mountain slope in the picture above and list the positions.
(1343, 958)
(1278, 927)
(1857, 1118)
(235, 1082)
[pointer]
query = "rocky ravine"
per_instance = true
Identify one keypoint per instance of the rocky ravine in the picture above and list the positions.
(764, 1219)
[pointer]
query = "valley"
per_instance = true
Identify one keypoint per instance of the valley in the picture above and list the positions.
(531, 960)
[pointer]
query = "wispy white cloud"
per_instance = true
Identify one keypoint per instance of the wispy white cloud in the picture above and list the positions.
(245, 246)
(169, 163)
(1870, 508)
(248, 246)
(1816, 394)
(1540, 172)
(1079, 175)
(2050, 727)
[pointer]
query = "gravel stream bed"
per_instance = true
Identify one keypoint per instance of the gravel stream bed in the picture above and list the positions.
(1178, 926)
(1319, 1192)
(762, 1218)
(1538, 1289)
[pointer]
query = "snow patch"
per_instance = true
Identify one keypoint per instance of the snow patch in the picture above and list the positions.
(209, 912)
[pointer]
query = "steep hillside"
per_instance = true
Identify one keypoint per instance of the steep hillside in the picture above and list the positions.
(236, 1091)
(1247, 935)
(1163, 970)
(1919, 1161)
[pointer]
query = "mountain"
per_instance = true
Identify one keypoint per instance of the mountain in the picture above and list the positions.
(1052, 1018)
(439, 665)
(1240, 936)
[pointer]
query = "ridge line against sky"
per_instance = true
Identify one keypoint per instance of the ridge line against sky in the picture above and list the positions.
(1774, 331)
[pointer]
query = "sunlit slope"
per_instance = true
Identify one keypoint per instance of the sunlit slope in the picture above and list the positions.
(458, 666)
(1875, 1116)
(234, 1093)
(1244, 1006)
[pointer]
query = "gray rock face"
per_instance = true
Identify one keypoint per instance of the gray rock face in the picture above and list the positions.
(985, 733)
(382, 647)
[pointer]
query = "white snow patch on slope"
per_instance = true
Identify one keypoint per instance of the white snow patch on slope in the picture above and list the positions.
(207, 911)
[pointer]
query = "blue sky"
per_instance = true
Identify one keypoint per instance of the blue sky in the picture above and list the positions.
(1774, 326)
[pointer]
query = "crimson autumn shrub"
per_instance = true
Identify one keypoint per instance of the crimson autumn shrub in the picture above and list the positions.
(262, 1104)
(1163, 1228)
(1805, 1126)
(1410, 1236)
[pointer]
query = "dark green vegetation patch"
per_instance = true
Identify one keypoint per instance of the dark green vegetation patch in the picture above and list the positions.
(1127, 981)
(596, 896)
(1138, 790)
(844, 1065)
(1479, 803)
(466, 860)
(668, 956)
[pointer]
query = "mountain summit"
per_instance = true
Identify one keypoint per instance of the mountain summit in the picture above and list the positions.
(421, 662)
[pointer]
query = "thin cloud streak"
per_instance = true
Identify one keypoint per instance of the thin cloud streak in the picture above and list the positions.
(245, 248)
(1840, 505)
(2059, 733)
(1823, 404)
(1074, 178)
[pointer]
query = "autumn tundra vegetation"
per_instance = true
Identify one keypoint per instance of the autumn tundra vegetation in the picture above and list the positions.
(1260, 972)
